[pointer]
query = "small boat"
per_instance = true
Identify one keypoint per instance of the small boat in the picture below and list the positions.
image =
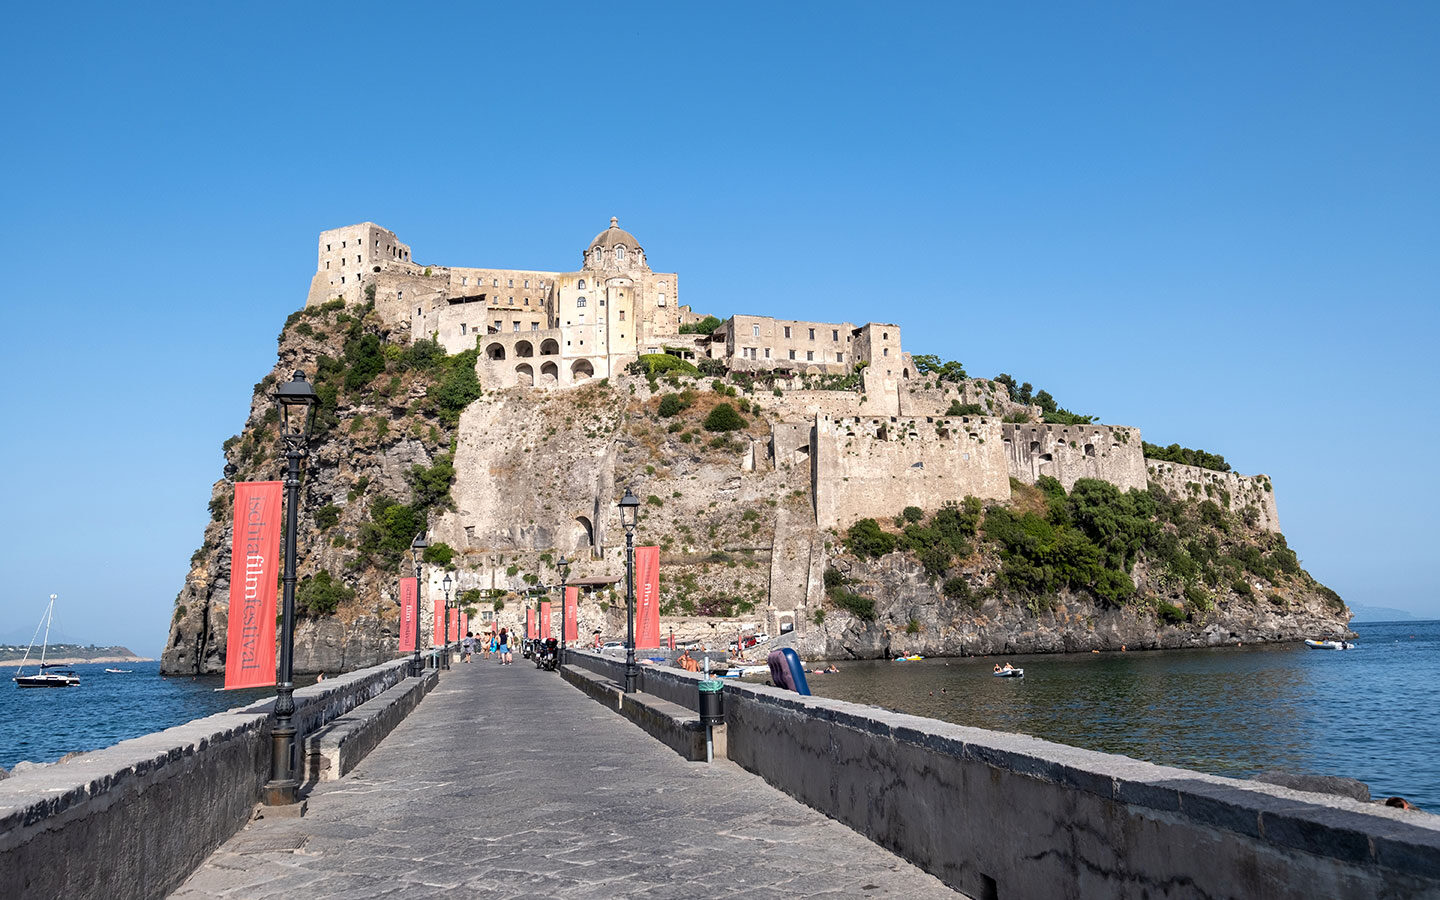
(1009, 673)
(50, 674)
(119, 671)
(739, 671)
(908, 658)
(1330, 645)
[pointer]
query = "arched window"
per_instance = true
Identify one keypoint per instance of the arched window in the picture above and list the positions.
(580, 284)
(580, 302)
(619, 254)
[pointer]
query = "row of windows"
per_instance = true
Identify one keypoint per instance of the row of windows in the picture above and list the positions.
(755, 329)
(394, 251)
(752, 353)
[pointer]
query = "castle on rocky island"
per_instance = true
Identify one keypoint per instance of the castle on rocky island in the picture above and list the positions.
(887, 444)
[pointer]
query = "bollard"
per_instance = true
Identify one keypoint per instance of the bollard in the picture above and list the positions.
(712, 713)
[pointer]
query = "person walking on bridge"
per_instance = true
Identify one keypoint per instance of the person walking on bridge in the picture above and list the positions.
(502, 648)
(467, 646)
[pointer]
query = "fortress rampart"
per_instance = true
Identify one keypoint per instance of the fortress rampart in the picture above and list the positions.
(861, 464)
(1068, 453)
(1230, 490)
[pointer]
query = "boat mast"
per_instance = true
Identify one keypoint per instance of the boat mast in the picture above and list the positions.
(49, 615)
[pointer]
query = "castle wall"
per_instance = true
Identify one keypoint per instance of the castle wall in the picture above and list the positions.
(1070, 452)
(346, 255)
(925, 462)
(878, 344)
(763, 342)
(1195, 483)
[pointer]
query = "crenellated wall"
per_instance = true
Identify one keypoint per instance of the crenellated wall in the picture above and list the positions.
(1230, 490)
(862, 463)
(1070, 452)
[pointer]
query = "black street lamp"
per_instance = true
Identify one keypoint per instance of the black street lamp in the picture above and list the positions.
(563, 565)
(297, 401)
(629, 515)
(417, 547)
(446, 585)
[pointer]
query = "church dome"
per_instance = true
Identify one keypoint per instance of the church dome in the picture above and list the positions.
(614, 235)
(615, 248)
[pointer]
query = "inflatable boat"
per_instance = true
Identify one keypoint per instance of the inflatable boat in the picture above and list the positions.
(1010, 673)
(908, 658)
(1330, 645)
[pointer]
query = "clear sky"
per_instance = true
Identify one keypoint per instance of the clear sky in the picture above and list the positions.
(1218, 222)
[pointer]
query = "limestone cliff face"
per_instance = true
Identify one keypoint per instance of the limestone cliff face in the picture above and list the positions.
(509, 480)
(914, 616)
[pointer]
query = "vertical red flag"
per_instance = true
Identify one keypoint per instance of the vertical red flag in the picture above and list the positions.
(464, 624)
(647, 597)
(454, 625)
(254, 565)
(545, 620)
(672, 639)
(572, 614)
(437, 625)
(409, 609)
(529, 622)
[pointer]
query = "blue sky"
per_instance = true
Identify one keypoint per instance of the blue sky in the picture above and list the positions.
(1216, 222)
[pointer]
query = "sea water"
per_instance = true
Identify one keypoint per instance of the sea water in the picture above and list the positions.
(44, 724)
(1368, 713)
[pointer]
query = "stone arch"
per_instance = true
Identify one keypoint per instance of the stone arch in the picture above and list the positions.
(524, 375)
(495, 351)
(581, 369)
(905, 372)
(549, 347)
(582, 534)
(549, 373)
(524, 349)
(1089, 449)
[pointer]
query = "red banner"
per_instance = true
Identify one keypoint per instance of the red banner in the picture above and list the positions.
(529, 622)
(464, 624)
(454, 628)
(545, 631)
(409, 609)
(647, 597)
(572, 614)
(254, 569)
(437, 625)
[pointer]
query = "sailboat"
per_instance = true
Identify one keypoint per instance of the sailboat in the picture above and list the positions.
(50, 674)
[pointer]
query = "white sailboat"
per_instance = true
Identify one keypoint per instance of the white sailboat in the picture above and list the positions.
(50, 674)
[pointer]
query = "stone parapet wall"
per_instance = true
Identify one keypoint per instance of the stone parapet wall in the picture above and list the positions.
(1070, 452)
(133, 820)
(907, 461)
(1230, 490)
(1011, 816)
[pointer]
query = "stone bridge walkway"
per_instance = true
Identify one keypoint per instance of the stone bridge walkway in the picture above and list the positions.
(509, 781)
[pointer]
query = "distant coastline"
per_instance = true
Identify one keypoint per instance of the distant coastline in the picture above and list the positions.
(76, 660)
(70, 654)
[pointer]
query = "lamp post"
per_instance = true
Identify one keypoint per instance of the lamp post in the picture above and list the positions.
(445, 656)
(297, 401)
(417, 547)
(629, 514)
(563, 566)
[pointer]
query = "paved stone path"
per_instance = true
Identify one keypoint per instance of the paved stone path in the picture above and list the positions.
(510, 781)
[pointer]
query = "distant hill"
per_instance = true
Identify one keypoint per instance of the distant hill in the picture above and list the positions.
(1379, 614)
(68, 653)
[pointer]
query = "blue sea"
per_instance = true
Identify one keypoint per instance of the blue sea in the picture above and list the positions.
(1368, 713)
(43, 724)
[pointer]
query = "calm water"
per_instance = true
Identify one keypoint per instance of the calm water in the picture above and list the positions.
(1369, 713)
(43, 724)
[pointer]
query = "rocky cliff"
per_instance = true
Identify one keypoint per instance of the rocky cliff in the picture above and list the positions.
(508, 481)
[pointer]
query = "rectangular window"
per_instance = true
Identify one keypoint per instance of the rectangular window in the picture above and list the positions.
(767, 352)
(810, 355)
(517, 326)
(661, 301)
(839, 357)
(792, 354)
(812, 334)
(622, 315)
(497, 324)
(495, 282)
(787, 331)
(509, 282)
(527, 282)
(462, 329)
(534, 326)
(755, 330)
(835, 334)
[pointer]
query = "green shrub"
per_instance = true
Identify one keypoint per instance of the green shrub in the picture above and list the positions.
(913, 626)
(1169, 613)
(327, 516)
(655, 364)
(704, 326)
(654, 500)
(512, 571)
(439, 553)
(912, 513)
(320, 594)
(861, 607)
(865, 538)
(671, 405)
(724, 418)
(834, 578)
(964, 409)
(1185, 456)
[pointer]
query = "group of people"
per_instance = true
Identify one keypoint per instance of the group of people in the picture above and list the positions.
(1005, 668)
